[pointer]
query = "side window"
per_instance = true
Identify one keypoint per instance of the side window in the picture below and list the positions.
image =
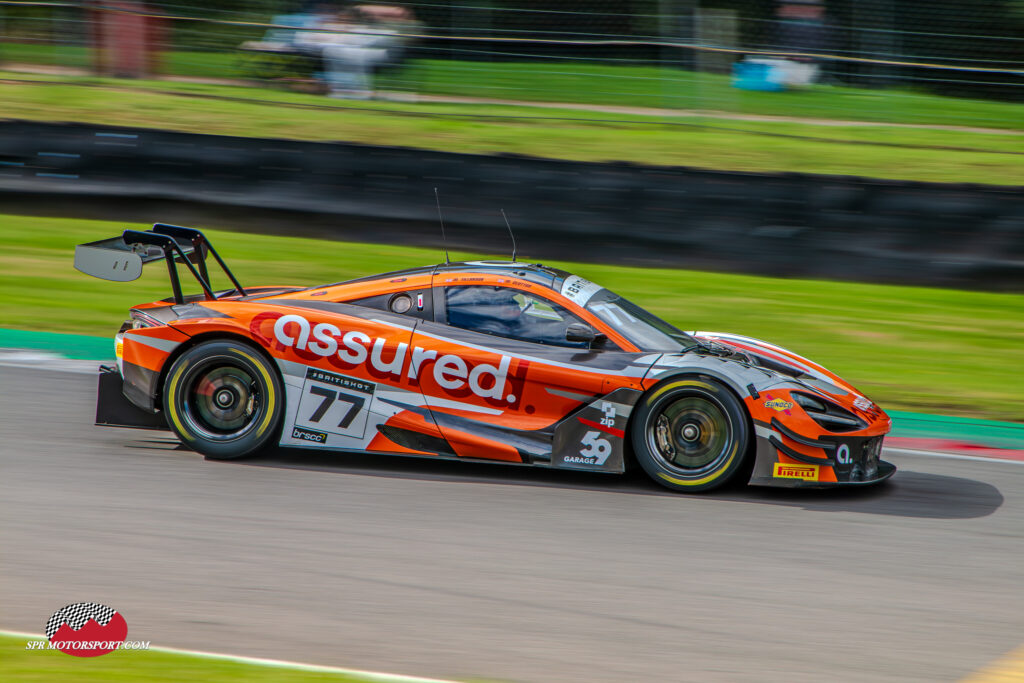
(510, 313)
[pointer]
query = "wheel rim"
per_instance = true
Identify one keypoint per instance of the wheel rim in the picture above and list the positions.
(690, 434)
(222, 400)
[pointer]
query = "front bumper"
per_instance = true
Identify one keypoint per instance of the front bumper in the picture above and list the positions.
(883, 472)
(789, 460)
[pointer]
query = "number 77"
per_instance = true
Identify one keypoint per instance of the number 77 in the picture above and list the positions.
(330, 396)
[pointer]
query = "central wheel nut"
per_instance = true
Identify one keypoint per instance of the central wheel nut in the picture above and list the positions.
(224, 398)
(691, 432)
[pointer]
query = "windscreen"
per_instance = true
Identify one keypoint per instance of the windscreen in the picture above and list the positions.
(646, 330)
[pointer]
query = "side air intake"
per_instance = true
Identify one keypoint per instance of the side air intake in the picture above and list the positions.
(828, 415)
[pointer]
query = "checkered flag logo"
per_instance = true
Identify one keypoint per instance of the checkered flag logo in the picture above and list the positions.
(77, 614)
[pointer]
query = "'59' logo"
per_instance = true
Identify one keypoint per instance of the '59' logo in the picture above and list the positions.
(595, 448)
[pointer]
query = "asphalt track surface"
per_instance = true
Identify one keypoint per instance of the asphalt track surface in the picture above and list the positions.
(499, 573)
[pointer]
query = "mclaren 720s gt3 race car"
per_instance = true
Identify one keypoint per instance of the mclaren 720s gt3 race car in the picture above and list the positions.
(485, 361)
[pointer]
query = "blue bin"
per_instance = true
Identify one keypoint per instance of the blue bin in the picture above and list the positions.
(757, 76)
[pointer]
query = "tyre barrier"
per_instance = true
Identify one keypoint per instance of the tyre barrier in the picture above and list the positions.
(793, 225)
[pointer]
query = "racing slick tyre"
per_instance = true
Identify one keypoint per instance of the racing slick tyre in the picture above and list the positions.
(223, 399)
(691, 434)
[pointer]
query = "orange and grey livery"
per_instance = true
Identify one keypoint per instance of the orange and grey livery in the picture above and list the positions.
(496, 361)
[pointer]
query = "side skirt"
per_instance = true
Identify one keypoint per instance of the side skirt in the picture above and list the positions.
(437, 456)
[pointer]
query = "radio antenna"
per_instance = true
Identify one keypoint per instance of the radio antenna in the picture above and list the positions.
(510, 235)
(444, 240)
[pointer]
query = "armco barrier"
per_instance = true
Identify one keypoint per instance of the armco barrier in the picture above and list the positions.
(791, 224)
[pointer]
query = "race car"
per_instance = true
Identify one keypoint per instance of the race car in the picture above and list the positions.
(493, 361)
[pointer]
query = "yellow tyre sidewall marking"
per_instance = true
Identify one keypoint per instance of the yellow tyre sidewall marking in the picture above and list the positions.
(714, 475)
(270, 390)
(172, 401)
(682, 383)
(711, 477)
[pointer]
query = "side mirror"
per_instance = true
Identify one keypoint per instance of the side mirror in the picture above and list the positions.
(578, 332)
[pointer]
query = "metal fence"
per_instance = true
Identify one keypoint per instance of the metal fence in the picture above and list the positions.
(667, 54)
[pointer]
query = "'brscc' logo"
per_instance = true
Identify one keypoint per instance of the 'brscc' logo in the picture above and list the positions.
(86, 629)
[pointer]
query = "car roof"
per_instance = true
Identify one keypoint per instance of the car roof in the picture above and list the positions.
(537, 273)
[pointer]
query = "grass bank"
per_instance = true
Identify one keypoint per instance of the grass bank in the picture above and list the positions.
(704, 142)
(153, 666)
(673, 88)
(910, 348)
(587, 82)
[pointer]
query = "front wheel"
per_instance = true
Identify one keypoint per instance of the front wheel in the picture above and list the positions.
(224, 399)
(691, 434)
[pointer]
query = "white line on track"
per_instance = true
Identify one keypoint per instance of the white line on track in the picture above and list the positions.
(950, 456)
(41, 360)
(372, 676)
(49, 362)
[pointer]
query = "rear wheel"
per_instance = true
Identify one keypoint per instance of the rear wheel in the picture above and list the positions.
(691, 434)
(224, 399)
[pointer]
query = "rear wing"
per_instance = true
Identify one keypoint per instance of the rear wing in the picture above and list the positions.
(121, 258)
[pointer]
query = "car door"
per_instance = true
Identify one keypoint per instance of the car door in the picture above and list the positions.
(499, 376)
(346, 374)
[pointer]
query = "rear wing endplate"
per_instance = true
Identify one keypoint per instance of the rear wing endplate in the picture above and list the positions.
(121, 258)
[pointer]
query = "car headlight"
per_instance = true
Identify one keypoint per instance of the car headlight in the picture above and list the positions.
(140, 320)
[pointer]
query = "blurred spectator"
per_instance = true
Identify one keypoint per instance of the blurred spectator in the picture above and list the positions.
(802, 29)
(347, 46)
(355, 43)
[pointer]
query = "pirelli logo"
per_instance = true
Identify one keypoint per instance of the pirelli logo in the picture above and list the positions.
(787, 471)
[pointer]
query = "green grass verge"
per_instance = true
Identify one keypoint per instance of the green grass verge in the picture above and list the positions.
(671, 88)
(44, 666)
(582, 82)
(727, 145)
(912, 348)
(173, 63)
